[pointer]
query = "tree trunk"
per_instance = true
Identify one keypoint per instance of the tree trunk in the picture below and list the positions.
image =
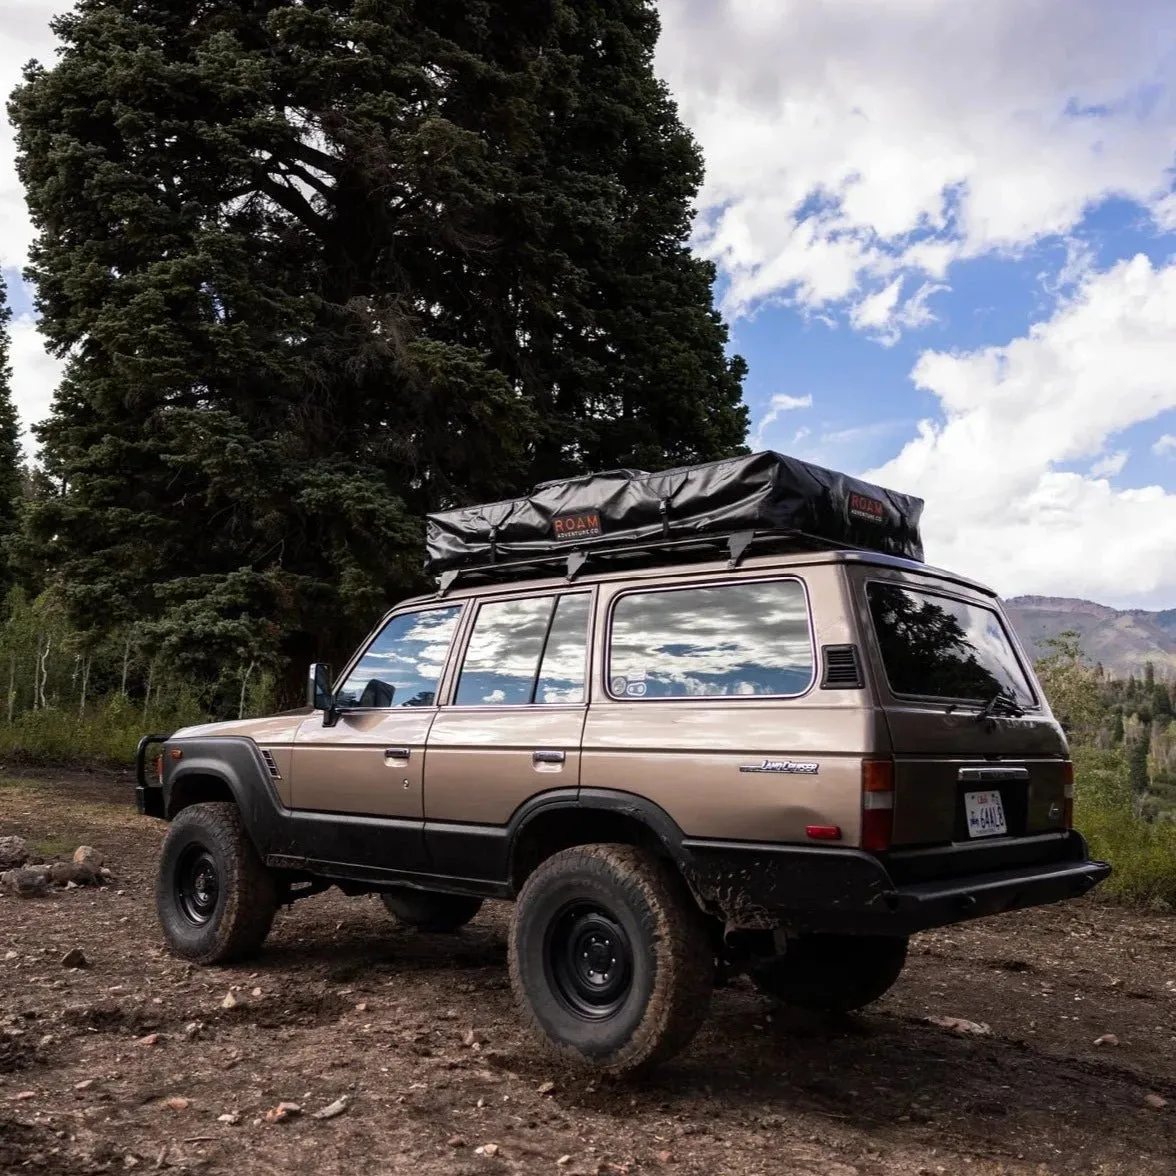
(244, 685)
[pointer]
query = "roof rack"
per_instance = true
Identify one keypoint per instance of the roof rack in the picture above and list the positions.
(649, 553)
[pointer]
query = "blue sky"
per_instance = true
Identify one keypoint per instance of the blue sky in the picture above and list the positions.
(946, 240)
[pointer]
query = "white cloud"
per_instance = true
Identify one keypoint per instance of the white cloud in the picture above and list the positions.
(1165, 445)
(24, 34)
(998, 506)
(35, 374)
(850, 141)
(779, 404)
(1110, 465)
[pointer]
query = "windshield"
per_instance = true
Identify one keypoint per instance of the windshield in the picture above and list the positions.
(936, 647)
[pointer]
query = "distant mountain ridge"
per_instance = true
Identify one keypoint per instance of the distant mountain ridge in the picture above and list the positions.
(1124, 640)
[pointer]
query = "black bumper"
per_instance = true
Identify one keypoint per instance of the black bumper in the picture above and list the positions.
(809, 888)
(148, 796)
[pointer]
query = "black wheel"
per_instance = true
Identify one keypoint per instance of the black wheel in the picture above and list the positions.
(610, 958)
(215, 899)
(430, 910)
(833, 973)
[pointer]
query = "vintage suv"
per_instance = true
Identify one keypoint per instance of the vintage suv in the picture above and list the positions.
(712, 720)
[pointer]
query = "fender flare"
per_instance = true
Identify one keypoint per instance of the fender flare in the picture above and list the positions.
(605, 800)
(235, 761)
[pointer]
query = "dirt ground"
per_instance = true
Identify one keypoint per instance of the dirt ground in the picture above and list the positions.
(131, 1062)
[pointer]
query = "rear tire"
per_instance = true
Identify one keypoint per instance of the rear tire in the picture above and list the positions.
(833, 973)
(610, 959)
(430, 910)
(215, 899)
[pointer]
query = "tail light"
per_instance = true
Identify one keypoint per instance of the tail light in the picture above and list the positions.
(877, 804)
(1068, 795)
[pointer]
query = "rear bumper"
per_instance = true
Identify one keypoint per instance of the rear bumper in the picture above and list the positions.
(808, 888)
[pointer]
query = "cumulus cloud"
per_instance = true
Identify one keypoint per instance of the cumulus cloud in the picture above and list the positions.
(849, 142)
(35, 375)
(1165, 445)
(998, 505)
(24, 34)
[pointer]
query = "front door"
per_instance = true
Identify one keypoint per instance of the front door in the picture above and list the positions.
(360, 782)
(512, 731)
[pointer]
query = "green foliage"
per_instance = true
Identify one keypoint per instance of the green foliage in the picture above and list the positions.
(319, 269)
(1124, 804)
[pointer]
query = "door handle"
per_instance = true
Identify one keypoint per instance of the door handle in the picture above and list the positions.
(548, 757)
(397, 753)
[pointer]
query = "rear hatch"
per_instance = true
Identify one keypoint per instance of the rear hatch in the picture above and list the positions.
(981, 774)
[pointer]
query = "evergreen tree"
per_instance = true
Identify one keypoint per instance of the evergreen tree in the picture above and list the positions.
(320, 269)
(1149, 678)
(1116, 728)
(1137, 753)
(12, 473)
(1161, 701)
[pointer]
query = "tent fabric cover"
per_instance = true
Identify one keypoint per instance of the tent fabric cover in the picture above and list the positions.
(761, 492)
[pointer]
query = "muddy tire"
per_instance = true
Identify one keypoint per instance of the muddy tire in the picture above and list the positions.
(610, 959)
(215, 899)
(833, 973)
(430, 910)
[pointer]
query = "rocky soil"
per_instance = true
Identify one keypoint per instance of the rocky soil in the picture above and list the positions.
(1039, 1043)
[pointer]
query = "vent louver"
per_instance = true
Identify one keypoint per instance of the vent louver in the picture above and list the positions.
(271, 764)
(843, 670)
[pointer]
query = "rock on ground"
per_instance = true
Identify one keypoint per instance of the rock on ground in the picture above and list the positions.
(14, 852)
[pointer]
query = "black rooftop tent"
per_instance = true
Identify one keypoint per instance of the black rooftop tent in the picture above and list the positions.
(627, 514)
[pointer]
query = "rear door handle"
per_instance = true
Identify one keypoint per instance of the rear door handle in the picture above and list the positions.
(548, 757)
(397, 753)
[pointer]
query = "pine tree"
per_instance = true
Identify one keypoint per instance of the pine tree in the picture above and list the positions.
(12, 473)
(320, 269)
(1137, 767)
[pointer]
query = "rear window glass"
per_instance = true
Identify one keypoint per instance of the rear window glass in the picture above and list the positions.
(722, 641)
(936, 647)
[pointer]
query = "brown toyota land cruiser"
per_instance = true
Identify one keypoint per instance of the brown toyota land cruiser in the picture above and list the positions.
(718, 719)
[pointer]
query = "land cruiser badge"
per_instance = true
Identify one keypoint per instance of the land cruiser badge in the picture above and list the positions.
(784, 767)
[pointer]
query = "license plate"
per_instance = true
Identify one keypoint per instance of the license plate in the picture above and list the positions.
(985, 812)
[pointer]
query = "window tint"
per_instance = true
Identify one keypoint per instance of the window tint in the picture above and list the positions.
(561, 676)
(729, 640)
(510, 639)
(403, 665)
(935, 647)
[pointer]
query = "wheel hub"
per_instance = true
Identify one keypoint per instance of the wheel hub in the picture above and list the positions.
(590, 961)
(197, 885)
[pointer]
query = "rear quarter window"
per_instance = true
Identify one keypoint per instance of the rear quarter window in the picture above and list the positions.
(939, 647)
(716, 641)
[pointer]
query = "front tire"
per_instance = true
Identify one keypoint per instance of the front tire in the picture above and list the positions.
(833, 973)
(215, 899)
(610, 959)
(430, 910)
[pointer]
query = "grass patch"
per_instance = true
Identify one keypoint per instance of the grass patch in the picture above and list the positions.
(53, 847)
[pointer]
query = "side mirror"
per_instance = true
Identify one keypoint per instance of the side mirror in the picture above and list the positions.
(318, 687)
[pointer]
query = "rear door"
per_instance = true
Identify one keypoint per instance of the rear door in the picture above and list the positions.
(979, 758)
(512, 729)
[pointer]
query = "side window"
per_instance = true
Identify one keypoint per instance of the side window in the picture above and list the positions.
(526, 651)
(561, 675)
(403, 665)
(728, 640)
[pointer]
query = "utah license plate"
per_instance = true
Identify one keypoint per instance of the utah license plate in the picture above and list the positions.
(985, 812)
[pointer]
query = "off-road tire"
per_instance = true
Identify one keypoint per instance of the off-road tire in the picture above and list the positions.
(833, 973)
(430, 910)
(239, 918)
(667, 948)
